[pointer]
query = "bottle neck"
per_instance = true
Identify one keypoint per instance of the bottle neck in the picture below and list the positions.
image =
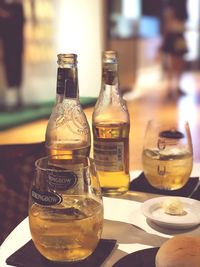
(67, 83)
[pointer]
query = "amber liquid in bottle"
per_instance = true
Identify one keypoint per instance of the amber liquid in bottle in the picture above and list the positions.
(111, 125)
(70, 153)
(111, 154)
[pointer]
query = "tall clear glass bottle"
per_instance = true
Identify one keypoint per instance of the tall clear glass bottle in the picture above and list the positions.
(111, 126)
(68, 131)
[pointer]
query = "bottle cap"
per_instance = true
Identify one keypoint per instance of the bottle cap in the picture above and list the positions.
(110, 56)
(65, 59)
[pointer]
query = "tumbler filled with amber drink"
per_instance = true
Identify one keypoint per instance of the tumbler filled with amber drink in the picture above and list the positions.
(65, 208)
(167, 154)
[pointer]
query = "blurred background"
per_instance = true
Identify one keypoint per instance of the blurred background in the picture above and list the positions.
(87, 28)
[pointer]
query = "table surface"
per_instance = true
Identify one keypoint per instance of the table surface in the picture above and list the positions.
(123, 221)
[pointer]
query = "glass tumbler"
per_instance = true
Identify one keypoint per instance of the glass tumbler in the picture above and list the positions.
(65, 208)
(167, 154)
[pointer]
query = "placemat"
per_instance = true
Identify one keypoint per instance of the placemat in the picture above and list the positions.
(28, 256)
(141, 258)
(196, 194)
(141, 184)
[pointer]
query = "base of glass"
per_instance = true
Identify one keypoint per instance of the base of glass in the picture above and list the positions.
(109, 192)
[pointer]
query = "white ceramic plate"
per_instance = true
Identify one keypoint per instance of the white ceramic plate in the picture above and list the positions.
(153, 210)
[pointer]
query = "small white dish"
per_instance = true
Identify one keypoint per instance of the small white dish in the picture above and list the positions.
(153, 210)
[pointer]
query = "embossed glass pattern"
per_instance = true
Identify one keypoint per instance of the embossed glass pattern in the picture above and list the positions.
(68, 130)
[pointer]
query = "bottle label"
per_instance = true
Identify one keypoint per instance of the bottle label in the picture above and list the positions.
(109, 156)
(109, 76)
(70, 88)
(60, 81)
(45, 198)
(66, 84)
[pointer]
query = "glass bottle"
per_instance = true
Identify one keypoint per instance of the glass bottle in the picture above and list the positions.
(111, 126)
(68, 131)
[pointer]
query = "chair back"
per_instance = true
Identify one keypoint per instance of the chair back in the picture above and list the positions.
(16, 173)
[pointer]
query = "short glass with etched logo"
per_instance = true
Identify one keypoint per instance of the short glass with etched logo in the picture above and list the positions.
(65, 208)
(167, 154)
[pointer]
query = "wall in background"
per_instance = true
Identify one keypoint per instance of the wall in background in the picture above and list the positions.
(64, 26)
(79, 29)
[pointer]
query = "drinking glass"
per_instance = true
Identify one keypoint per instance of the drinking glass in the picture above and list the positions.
(65, 208)
(167, 154)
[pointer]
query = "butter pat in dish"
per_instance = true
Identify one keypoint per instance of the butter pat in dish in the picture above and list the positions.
(173, 206)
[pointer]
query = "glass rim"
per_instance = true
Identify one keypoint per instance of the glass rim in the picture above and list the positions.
(90, 162)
